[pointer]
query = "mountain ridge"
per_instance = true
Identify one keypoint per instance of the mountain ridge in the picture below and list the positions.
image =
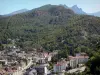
(16, 12)
(77, 10)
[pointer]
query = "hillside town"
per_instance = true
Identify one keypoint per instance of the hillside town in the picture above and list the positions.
(49, 37)
(38, 62)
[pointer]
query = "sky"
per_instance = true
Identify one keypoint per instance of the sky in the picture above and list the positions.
(8, 6)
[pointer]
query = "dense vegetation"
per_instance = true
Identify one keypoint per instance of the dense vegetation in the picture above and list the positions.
(52, 27)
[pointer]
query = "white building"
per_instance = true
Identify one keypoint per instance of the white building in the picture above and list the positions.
(75, 61)
(60, 66)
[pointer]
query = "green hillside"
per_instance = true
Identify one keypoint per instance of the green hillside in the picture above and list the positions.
(52, 27)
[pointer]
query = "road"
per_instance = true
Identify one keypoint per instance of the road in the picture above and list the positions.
(20, 72)
(81, 69)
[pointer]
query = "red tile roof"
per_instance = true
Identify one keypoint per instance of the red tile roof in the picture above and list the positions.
(78, 57)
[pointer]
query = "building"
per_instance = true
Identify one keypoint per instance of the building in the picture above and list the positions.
(60, 66)
(41, 61)
(41, 70)
(37, 70)
(78, 59)
(43, 58)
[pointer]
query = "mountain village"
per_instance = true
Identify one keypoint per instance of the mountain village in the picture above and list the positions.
(37, 62)
(49, 38)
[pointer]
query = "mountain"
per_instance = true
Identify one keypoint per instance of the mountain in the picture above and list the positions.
(0, 16)
(95, 14)
(52, 14)
(17, 12)
(77, 10)
(51, 26)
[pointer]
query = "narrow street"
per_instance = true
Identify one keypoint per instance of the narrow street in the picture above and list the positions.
(20, 72)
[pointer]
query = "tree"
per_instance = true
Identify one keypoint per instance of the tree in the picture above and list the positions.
(94, 64)
(1, 47)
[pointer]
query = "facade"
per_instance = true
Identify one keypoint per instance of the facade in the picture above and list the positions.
(43, 58)
(60, 66)
(41, 69)
(75, 61)
(41, 61)
(37, 70)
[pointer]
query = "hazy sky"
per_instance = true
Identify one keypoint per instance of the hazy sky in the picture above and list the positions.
(8, 6)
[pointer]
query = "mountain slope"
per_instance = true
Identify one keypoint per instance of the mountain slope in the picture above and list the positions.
(52, 15)
(17, 24)
(53, 27)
